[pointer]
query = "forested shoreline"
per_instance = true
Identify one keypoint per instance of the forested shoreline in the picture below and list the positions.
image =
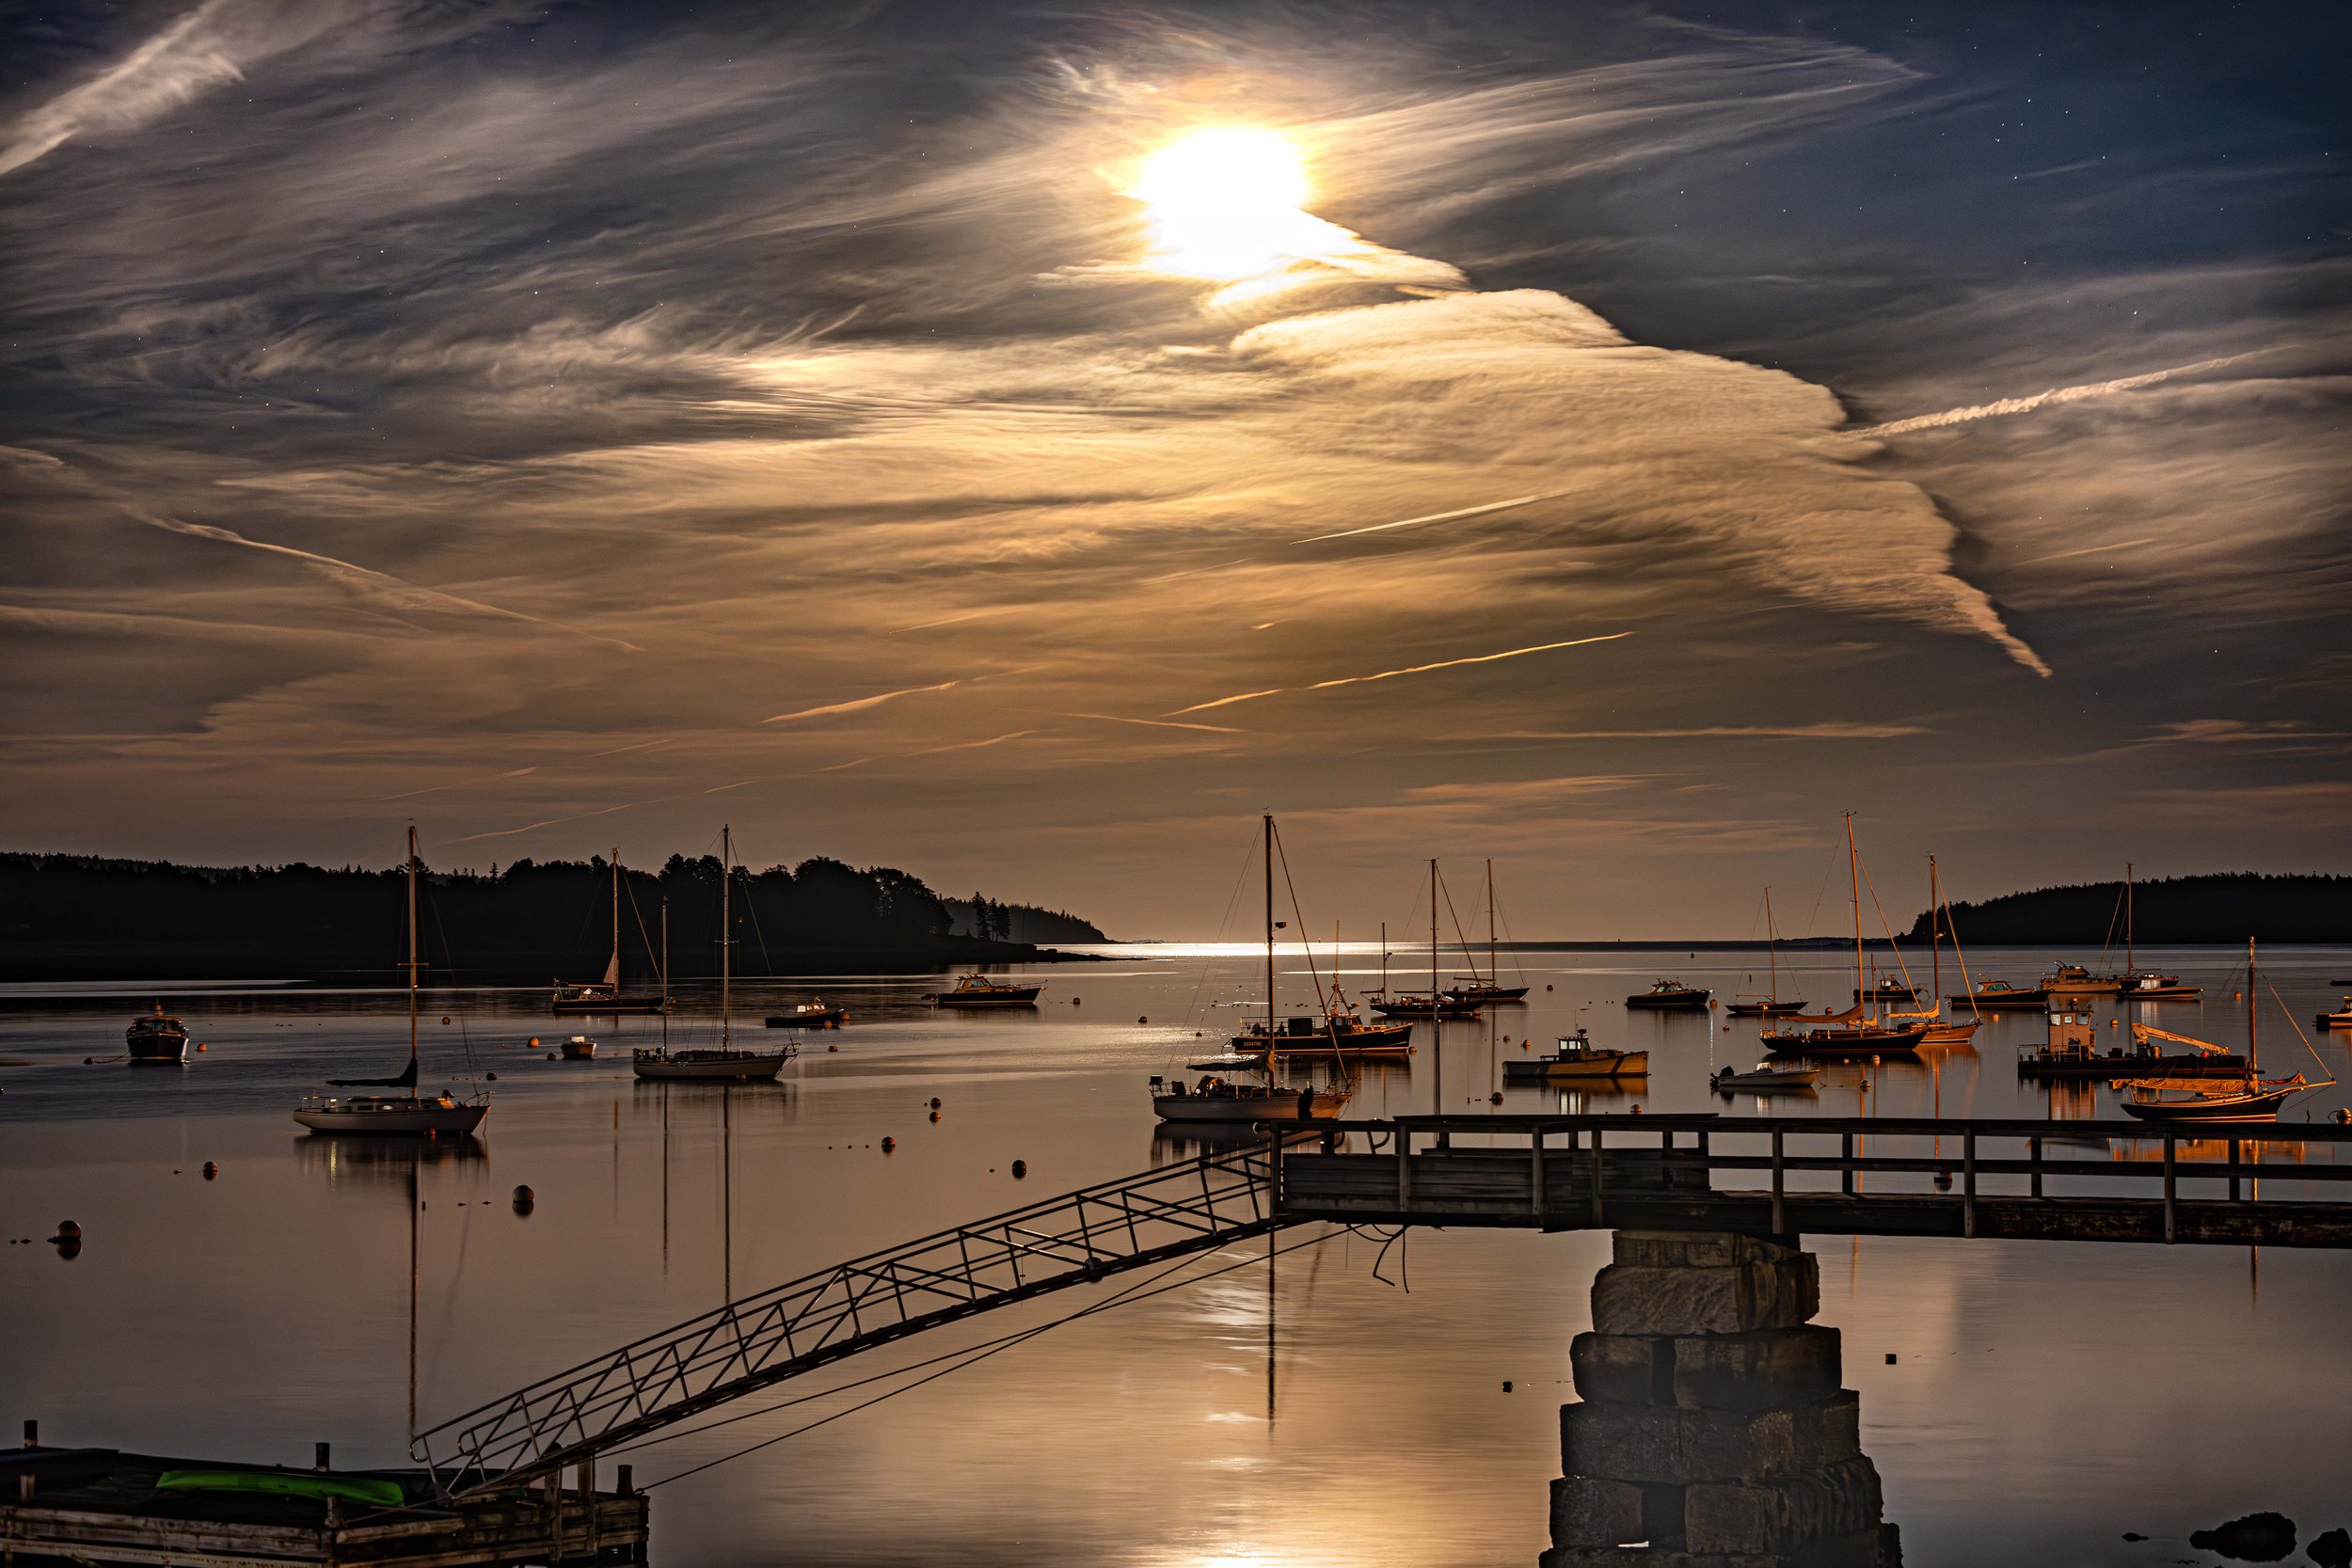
(85, 917)
(2226, 907)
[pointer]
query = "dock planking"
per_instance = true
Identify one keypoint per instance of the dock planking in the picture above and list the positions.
(105, 1506)
(2036, 1180)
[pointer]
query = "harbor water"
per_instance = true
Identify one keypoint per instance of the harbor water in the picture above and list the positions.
(1319, 1397)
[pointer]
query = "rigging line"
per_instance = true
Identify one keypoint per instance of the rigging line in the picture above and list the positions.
(1884, 925)
(638, 915)
(1224, 924)
(2115, 918)
(1305, 943)
(1123, 1298)
(1517, 967)
(449, 961)
(1460, 937)
(2297, 1027)
(751, 909)
(1812, 921)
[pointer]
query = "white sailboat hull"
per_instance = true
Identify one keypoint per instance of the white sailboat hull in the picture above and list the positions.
(1243, 1109)
(737, 1065)
(396, 1120)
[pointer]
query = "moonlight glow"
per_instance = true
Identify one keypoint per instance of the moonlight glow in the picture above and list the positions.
(1226, 202)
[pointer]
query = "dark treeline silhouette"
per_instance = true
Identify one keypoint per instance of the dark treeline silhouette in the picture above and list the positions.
(73, 916)
(2229, 907)
(995, 921)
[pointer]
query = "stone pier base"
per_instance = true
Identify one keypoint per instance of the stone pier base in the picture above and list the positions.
(1710, 1430)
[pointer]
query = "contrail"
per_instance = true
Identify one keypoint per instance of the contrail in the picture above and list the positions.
(1410, 669)
(2094, 549)
(1158, 723)
(462, 784)
(855, 703)
(2058, 394)
(970, 745)
(1436, 517)
(366, 581)
(641, 746)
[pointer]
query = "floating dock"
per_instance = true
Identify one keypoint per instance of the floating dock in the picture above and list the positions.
(94, 1508)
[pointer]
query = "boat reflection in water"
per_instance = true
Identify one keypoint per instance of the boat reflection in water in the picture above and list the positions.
(386, 1162)
(1711, 1426)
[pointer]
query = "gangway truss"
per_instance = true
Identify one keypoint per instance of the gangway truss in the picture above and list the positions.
(1209, 1201)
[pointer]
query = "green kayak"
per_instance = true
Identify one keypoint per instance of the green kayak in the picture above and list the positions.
(286, 1484)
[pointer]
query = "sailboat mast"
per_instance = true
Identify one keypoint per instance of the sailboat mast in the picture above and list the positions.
(2130, 963)
(615, 966)
(726, 933)
(1854, 872)
(1494, 975)
(1772, 946)
(665, 975)
(1432, 939)
(2254, 1060)
(1384, 958)
(412, 958)
(1270, 938)
(1935, 933)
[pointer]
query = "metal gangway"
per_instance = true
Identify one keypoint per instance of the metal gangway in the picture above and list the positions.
(1077, 1238)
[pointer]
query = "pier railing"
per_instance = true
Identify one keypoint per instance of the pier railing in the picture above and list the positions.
(749, 1345)
(2084, 1181)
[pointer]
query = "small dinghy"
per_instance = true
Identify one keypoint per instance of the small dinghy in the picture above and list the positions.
(1764, 1078)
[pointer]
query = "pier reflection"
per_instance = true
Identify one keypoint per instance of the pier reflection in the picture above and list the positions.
(1710, 1427)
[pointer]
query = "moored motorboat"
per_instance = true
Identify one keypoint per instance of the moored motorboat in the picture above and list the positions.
(980, 991)
(812, 1014)
(158, 1038)
(580, 1048)
(2147, 985)
(1577, 1057)
(2072, 980)
(2340, 1019)
(1672, 996)
(1764, 1078)
(2000, 996)
(1888, 991)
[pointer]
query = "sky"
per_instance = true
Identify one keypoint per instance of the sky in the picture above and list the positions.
(1021, 444)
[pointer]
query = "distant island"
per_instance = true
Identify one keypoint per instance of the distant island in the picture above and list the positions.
(2229, 907)
(81, 917)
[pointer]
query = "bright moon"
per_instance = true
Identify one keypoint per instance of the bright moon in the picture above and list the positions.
(1225, 203)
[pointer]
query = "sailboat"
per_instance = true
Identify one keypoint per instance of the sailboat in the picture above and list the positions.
(1478, 988)
(1850, 1032)
(2247, 1098)
(1770, 1006)
(1216, 1098)
(2146, 984)
(1941, 1031)
(604, 996)
(724, 1061)
(406, 1114)
(1432, 1003)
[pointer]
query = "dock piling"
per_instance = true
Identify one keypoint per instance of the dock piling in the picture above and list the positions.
(318, 1456)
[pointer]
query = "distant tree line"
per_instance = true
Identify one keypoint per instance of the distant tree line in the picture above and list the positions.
(992, 920)
(2225, 908)
(80, 916)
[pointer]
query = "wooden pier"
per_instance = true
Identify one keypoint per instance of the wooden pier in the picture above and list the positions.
(1824, 1176)
(94, 1508)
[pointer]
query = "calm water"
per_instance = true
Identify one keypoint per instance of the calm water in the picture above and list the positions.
(2048, 1397)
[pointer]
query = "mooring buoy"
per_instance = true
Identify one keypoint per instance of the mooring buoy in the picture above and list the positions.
(1020, 1169)
(212, 1169)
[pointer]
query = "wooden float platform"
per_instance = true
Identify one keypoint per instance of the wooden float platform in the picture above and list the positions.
(93, 1507)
